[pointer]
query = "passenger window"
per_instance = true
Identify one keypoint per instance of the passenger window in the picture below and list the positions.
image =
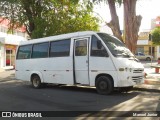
(24, 52)
(81, 48)
(141, 54)
(60, 48)
(40, 50)
(97, 49)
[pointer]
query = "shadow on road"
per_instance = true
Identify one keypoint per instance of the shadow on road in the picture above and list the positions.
(57, 98)
(146, 90)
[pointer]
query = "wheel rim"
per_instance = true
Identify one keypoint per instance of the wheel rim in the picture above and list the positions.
(148, 59)
(103, 86)
(35, 82)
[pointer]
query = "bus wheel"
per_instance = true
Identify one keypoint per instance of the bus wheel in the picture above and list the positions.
(148, 59)
(36, 81)
(104, 85)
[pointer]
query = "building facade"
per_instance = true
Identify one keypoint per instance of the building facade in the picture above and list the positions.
(144, 45)
(9, 43)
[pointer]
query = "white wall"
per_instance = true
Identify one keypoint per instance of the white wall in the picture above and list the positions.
(8, 39)
(158, 51)
(142, 42)
(3, 56)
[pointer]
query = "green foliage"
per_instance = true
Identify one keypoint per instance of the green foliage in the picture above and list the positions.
(156, 36)
(50, 17)
(72, 18)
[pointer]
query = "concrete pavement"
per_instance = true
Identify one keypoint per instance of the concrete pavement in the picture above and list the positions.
(152, 77)
(1, 70)
(6, 68)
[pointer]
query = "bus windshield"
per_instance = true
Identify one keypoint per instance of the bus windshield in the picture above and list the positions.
(117, 48)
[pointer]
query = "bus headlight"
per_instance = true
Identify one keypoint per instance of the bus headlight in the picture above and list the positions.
(121, 69)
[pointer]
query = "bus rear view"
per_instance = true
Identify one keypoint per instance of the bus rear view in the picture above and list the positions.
(83, 58)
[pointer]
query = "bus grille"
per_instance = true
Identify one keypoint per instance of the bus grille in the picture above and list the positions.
(137, 78)
(138, 71)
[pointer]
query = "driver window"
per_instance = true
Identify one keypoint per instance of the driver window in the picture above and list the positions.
(97, 49)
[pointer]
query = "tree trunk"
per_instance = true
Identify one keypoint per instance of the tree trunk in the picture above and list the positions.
(131, 24)
(114, 23)
(30, 16)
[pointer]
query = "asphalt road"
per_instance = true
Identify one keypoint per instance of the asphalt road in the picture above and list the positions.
(16, 95)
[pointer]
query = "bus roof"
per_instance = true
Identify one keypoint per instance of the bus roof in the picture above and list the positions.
(57, 37)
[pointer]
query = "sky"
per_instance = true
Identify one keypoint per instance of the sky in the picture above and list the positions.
(148, 9)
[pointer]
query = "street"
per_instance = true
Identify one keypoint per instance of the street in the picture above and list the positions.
(16, 95)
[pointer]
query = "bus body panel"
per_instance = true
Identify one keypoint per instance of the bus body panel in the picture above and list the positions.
(23, 69)
(53, 70)
(101, 65)
(59, 70)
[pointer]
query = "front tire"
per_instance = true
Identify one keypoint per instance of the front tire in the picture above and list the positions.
(104, 85)
(36, 81)
(148, 59)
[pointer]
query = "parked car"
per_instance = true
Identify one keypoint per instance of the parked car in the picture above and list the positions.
(142, 56)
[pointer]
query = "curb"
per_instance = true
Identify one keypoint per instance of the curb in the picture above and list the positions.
(1, 70)
(6, 70)
(151, 82)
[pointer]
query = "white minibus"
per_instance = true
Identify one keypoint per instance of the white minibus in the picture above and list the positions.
(85, 58)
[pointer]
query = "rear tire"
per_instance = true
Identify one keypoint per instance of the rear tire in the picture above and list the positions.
(104, 85)
(36, 81)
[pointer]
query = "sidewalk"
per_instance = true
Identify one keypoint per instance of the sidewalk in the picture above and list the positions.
(152, 78)
(6, 68)
(1, 70)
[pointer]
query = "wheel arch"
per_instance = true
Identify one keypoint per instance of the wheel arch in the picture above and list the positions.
(38, 74)
(103, 74)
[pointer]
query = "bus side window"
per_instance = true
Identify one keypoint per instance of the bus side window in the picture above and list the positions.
(81, 48)
(97, 49)
(60, 48)
(40, 50)
(24, 52)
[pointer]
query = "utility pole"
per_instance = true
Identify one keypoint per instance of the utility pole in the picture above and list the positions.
(150, 39)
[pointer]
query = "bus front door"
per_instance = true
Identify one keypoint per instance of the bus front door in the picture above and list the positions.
(81, 63)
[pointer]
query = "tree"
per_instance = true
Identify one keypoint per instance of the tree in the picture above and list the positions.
(114, 23)
(131, 22)
(50, 17)
(71, 17)
(7, 9)
(156, 36)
